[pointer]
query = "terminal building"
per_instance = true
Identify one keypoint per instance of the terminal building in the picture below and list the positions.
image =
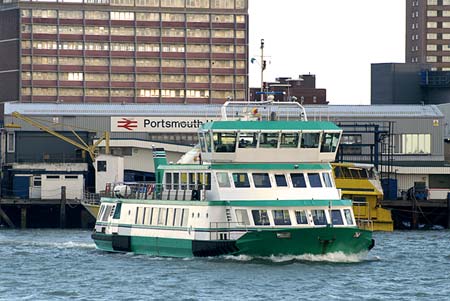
(123, 51)
(405, 142)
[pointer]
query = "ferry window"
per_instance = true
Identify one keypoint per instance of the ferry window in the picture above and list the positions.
(261, 180)
(260, 218)
(176, 180)
(281, 217)
(100, 212)
(177, 217)
(117, 211)
(106, 213)
(354, 172)
(200, 182)
(301, 218)
(154, 219)
(314, 180)
(242, 217)
(248, 140)
(168, 180)
(363, 174)
(346, 173)
(139, 216)
(147, 214)
(170, 217)
(268, 140)
(319, 217)
(162, 216)
(150, 216)
(371, 173)
(223, 180)
(224, 142)
(240, 180)
(192, 184)
(329, 142)
(184, 217)
(338, 172)
(202, 143)
(208, 142)
(298, 180)
(327, 179)
(289, 140)
(336, 217)
(281, 180)
(348, 216)
(208, 181)
(310, 140)
(183, 181)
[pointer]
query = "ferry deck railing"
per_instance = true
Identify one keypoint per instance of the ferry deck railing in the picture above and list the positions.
(222, 230)
(361, 210)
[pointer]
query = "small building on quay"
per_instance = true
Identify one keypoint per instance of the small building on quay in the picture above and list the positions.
(405, 142)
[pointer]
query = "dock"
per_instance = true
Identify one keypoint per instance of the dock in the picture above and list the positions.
(37, 213)
(419, 214)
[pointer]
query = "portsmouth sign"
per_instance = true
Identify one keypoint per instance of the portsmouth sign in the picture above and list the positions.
(157, 124)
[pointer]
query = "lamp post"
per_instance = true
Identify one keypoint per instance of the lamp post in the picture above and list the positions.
(263, 66)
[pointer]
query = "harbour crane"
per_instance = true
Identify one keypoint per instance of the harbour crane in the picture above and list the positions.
(81, 144)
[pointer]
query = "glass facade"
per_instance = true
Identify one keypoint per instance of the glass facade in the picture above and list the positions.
(107, 54)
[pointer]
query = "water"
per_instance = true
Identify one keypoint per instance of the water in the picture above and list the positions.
(64, 265)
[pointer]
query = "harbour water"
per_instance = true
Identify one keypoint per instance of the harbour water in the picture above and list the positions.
(64, 265)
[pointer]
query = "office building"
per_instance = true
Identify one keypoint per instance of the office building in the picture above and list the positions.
(428, 33)
(123, 51)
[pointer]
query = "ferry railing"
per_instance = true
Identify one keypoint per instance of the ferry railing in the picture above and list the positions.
(361, 210)
(222, 230)
(91, 198)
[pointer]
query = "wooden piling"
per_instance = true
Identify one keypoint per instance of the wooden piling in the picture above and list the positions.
(448, 212)
(23, 217)
(62, 209)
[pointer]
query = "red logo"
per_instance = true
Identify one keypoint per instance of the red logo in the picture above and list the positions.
(127, 124)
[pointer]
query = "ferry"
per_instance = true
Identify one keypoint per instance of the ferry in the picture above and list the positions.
(259, 187)
(360, 182)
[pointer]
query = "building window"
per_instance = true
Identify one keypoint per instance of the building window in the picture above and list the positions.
(122, 15)
(431, 36)
(431, 59)
(431, 13)
(445, 24)
(197, 18)
(412, 144)
(431, 47)
(101, 165)
(11, 142)
(96, 15)
(432, 2)
(224, 4)
(431, 24)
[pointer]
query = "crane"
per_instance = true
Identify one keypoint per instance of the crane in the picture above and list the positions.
(90, 149)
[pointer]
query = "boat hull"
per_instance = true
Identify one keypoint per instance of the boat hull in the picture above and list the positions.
(254, 243)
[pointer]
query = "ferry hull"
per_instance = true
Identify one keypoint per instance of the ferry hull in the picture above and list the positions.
(254, 243)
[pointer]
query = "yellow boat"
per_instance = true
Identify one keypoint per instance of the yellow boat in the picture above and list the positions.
(91, 206)
(361, 183)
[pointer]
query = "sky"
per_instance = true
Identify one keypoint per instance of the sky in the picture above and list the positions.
(336, 40)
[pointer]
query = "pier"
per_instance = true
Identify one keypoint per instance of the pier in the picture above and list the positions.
(36, 213)
(419, 214)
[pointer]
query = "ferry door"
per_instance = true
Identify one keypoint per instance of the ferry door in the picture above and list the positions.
(35, 187)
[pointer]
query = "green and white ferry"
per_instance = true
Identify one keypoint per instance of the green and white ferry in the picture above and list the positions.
(259, 187)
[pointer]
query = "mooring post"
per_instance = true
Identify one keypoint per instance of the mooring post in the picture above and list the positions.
(62, 209)
(23, 217)
(448, 210)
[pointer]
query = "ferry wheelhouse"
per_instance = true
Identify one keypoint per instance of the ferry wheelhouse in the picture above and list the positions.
(259, 187)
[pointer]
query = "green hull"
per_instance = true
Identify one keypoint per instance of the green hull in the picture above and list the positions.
(254, 243)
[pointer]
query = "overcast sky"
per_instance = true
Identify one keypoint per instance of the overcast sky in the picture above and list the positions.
(336, 40)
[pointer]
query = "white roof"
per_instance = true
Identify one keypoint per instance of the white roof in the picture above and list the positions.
(209, 110)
